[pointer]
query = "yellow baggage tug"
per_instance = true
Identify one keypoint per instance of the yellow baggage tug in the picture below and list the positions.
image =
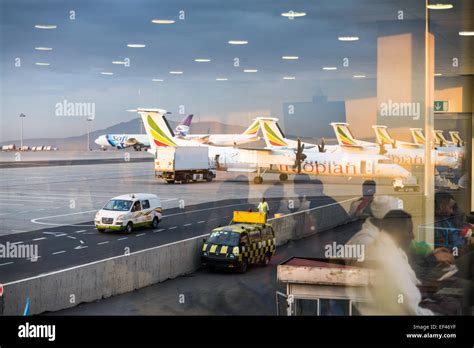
(247, 240)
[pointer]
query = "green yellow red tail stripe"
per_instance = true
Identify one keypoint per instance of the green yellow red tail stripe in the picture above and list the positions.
(345, 138)
(159, 137)
(273, 138)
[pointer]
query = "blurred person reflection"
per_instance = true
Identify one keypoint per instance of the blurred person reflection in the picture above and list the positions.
(451, 229)
(394, 290)
(360, 209)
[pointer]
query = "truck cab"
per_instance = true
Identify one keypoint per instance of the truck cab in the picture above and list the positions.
(248, 240)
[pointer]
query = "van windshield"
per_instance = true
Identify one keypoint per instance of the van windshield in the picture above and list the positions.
(224, 238)
(118, 205)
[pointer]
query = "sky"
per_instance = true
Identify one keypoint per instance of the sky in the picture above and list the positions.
(84, 46)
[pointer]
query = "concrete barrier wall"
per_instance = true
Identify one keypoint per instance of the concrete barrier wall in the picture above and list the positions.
(117, 275)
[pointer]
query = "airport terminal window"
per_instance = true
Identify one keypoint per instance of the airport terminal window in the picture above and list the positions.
(364, 113)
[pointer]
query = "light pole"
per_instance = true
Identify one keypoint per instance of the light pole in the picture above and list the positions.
(88, 131)
(22, 116)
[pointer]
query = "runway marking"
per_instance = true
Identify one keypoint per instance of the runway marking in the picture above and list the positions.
(103, 243)
(80, 247)
(34, 259)
(123, 238)
(201, 222)
(141, 234)
(59, 252)
(39, 238)
(60, 235)
(17, 231)
(161, 229)
(24, 200)
(172, 228)
(80, 231)
(72, 237)
(6, 263)
(81, 241)
(187, 224)
(35, 221)
(205, 209)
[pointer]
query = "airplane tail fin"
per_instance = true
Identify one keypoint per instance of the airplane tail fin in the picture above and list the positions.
(187, 120)
(383, 136)
(343, 134)
(272, 132)
(456, 138)
(159, 131)
(418, 136)
(253, 128)
(440, 140)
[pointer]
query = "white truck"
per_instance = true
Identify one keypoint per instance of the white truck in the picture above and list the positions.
(184, 164)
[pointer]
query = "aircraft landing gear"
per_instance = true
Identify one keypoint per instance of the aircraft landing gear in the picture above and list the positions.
(283, 177)
(258, 180)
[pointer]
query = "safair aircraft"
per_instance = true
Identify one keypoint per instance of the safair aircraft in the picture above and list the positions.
(272, 160)
(402, 153)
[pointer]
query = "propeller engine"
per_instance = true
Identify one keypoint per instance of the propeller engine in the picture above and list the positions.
(322, 145)
(299, 156)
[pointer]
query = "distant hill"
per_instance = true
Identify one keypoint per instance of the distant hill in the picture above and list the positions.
(130, 127)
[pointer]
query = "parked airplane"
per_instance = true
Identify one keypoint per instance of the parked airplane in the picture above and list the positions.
(454, 149)
(137, 141)
(402, 153)
(274, 160)
(248, 136)
(319, 159)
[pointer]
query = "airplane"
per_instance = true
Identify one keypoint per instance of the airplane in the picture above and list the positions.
(271, 160)
(248, 136)
(137, 141)
(402, 153)
(454, 148)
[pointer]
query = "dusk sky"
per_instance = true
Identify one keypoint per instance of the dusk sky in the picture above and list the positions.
(84, 47)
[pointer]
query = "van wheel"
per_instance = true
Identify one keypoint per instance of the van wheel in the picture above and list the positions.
(258, 180)
(155, 222)
(101, 230)
(170, 181)
(129, 228)
(266, 260)
(209, 177)
(243, 267)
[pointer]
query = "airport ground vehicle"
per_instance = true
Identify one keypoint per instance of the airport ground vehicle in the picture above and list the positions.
(183, 164)
(247, 240)
(126, 212)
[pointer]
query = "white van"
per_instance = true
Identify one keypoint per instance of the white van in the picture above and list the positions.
(126, 212)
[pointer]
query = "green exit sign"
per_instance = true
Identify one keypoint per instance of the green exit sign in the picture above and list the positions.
(441, 105)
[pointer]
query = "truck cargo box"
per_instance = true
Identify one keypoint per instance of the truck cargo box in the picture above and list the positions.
(182, 158)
